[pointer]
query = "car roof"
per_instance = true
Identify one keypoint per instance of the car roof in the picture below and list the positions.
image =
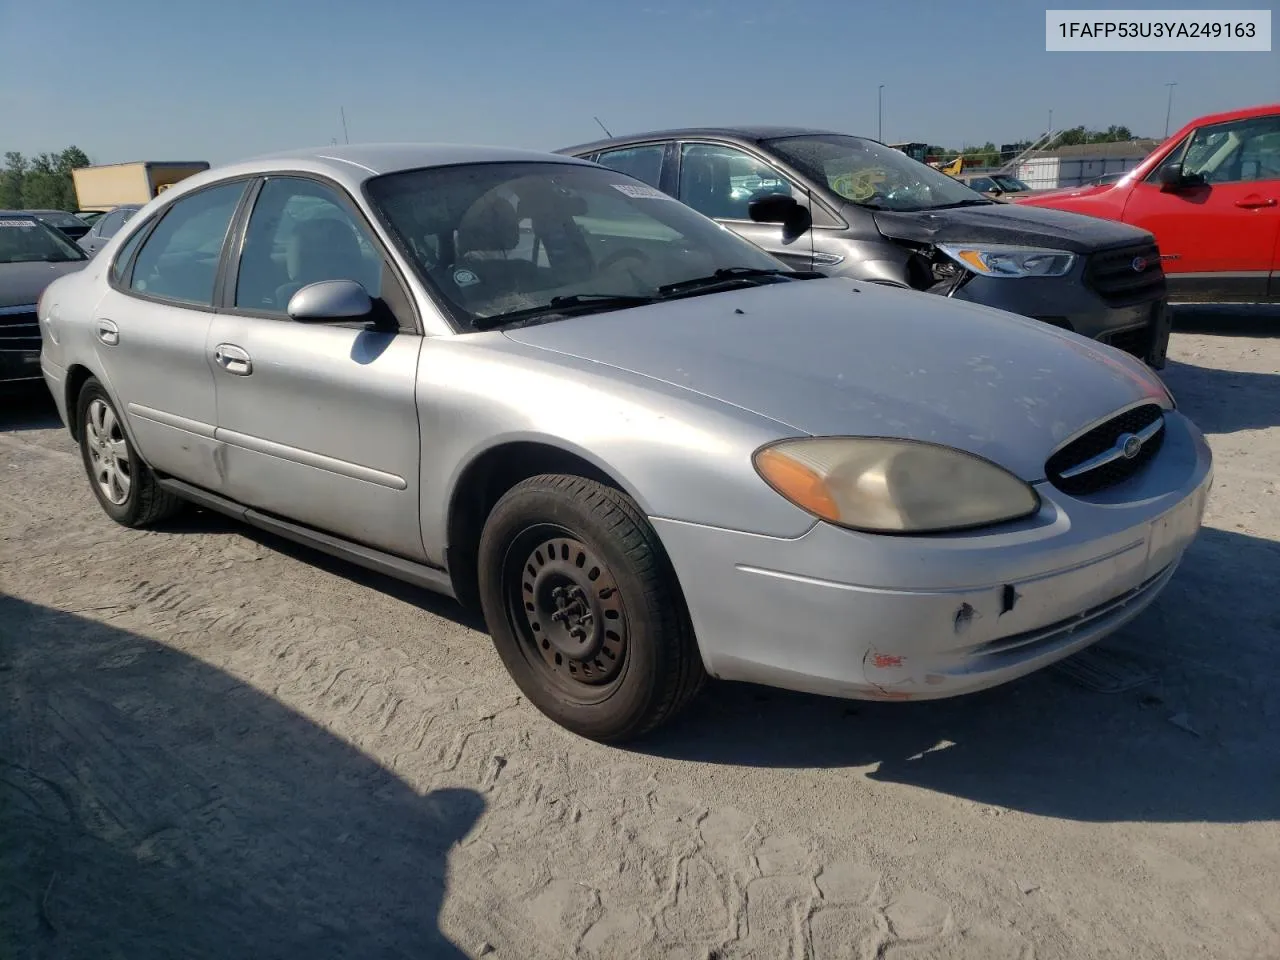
(752, 133)
(352, 164)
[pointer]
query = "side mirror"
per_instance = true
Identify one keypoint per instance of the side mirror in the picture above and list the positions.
(781, 208)
(1172, 177)
(329, 301)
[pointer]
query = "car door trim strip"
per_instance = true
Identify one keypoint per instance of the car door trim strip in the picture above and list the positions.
(171, 420)
(308, 458)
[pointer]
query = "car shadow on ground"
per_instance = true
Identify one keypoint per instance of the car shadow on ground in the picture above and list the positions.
(1228, 319)
(1196, 743)
(152, 805)
(1224, 401)
(27, 407)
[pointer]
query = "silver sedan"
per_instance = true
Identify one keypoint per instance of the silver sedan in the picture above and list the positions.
(644, 448)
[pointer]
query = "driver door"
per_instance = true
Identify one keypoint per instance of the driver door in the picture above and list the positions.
(719, 181)
(1224, 229)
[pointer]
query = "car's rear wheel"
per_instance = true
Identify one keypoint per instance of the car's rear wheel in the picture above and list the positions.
(124, 486)
(585, 609)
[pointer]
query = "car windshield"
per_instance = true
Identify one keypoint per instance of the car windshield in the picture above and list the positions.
(58, 218)
(871, 174)
(523, 239)
(1010, 184)
(26, 240)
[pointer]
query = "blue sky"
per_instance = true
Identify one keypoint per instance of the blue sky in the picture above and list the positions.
(220, 81)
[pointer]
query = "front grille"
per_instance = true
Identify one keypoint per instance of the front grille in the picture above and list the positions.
(1111, 275)
(19, 329)
(1136, 341)
(1100, 444)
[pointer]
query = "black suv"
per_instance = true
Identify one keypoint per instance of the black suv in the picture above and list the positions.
(854, 207)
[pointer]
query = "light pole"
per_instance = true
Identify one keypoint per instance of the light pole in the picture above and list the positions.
(880, 113)
(1168, 110)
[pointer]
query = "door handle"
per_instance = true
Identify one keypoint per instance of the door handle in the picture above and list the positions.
(108, 332)
(1250, 203)
(233, 359)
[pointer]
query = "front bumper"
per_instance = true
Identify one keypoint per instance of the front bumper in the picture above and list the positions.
(884, 617)
(1141, 329)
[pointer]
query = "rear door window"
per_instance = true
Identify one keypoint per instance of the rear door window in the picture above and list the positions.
(179, 260)
(643, 162)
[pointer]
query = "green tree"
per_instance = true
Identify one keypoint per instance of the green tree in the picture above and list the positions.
(11, 180)
(42, 182)
(1077, 135)
(987, 155)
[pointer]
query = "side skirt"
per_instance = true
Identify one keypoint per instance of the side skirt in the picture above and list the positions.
(410, 571)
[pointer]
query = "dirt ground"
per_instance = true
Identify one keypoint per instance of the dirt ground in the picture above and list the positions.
(214, 744)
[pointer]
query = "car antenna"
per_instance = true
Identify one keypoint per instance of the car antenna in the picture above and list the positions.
(603, 127)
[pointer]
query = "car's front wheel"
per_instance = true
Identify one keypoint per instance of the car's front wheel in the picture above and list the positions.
(124, 485)
(584, 608)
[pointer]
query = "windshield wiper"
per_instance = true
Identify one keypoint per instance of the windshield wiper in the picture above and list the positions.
(733, 275)
(574, 304)
(974, 202)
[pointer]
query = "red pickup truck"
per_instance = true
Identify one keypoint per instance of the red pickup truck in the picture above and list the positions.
(1211, 195)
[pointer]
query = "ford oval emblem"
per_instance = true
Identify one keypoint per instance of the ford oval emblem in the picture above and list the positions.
(1130, 445)
(1139, 264)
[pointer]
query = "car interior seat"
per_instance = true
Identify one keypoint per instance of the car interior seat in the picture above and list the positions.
(322, 249)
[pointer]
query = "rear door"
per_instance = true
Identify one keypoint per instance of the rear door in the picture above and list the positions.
(151, 329)
(646, 162)
(719, 180)
(319, 421)
(1223, 229)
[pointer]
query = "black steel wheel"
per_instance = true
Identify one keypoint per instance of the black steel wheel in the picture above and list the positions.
(584, 608)
(565, 603)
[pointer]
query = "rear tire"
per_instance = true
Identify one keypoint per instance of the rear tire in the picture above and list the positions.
(585, 610)
(124, 486)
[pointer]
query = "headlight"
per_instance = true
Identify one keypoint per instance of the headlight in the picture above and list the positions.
(997, 260)
(893, 486)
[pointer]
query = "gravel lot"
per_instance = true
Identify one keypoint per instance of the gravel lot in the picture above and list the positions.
(216, 744)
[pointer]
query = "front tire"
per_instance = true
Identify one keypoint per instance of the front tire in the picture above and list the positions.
(124, 486)
(585, 610)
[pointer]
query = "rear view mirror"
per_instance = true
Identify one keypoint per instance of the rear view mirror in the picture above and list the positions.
(329, 301)
(781, 208)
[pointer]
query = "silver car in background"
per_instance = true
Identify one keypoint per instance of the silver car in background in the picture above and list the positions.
(647, 450)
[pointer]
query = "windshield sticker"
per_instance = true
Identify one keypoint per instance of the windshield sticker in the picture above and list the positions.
(465, 278)
(857, 185)
(640, 192)
(17, 223)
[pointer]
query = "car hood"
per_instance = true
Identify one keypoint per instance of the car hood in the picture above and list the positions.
(1031, 199)
(1009, 223)
(22, 283)
(838, 357)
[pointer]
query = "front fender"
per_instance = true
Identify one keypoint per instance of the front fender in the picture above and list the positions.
(680, 455)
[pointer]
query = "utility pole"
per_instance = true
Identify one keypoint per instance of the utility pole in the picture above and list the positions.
(1168, 110)
(880, 113)
(343, 111)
